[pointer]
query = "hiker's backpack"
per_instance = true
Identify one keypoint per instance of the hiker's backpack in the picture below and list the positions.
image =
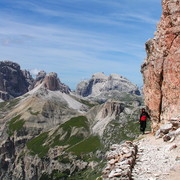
(143, 118)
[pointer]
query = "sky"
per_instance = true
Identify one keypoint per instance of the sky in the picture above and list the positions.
(77, 38)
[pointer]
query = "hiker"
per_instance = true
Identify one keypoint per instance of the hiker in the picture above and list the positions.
(143, 117)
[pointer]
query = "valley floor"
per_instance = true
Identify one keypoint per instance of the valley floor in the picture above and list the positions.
(156, 159)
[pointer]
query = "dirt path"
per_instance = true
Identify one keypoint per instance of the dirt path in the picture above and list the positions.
(157, 160)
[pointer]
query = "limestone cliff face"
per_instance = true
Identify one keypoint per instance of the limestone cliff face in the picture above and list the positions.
(161, 69)
(111, 108)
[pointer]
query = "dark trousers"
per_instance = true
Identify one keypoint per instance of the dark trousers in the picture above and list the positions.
(142, 126)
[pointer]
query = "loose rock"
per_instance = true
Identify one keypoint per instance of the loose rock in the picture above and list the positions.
(121, 166)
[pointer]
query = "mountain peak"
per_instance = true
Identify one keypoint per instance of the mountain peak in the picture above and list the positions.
(100, 83)
(99, 75)
(53, 83)
(115, 76)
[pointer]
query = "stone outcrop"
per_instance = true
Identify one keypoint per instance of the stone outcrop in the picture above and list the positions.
(111, 108)
(100, 83)
(39, 79)
(161, 69)
(170, 130)
(13, 81)
(121, 160)
(113, 113)
(51, 82)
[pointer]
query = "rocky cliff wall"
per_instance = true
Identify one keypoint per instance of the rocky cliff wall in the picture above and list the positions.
(13, 81)
(161, 69)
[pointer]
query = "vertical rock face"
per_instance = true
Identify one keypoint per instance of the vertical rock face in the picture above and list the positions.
(28, 78)
(111, 108)
(161, 69)
(13, 81)
(52, 82)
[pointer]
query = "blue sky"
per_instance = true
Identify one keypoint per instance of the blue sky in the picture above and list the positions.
(77, 38)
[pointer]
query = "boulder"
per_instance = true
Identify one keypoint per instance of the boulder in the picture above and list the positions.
(166, 128)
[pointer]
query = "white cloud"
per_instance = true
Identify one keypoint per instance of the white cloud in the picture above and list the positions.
(35, 71)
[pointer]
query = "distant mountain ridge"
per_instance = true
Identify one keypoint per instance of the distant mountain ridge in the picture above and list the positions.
(15, 82)
(100, 83)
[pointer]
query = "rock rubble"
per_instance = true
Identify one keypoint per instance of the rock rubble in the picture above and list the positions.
(156, 159)
(170, 130)
(158, 155)
(121, 160)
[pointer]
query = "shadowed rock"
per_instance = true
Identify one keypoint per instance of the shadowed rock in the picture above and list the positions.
(13, 81)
